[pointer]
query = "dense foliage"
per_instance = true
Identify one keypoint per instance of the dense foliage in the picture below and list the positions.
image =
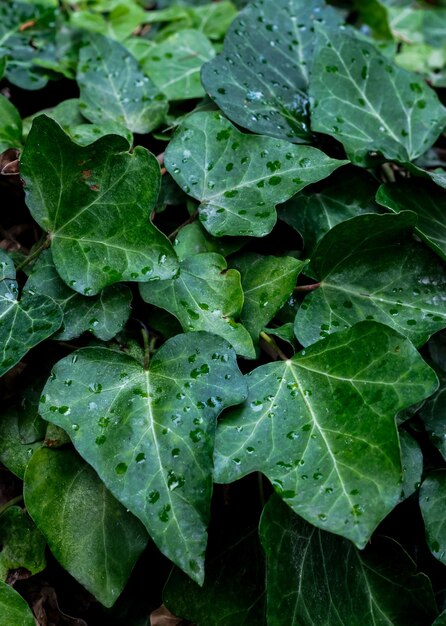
(223, 313)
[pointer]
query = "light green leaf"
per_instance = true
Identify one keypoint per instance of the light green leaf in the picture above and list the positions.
(150, 433)
(13, 608)
(260, 80)
(214, 18)
(103, 315)
(412, 460)
(432, 505)
(369, 268)
(350, 77)
(285, 332)
(174, 65)
(315, 578)
(22, 544)
(239, 178)
(193, 239)
(91, 535)
(113, 87)
(85, 134)
(122, 19)
(96, 202)
(10, 125)
(205, 296)
(321, 427)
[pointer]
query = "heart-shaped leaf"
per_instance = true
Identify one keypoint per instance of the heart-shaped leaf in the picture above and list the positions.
(432, 504)
(321, 426)
(95, 201)
(205, 296)
(150, 433)
(13, 608)
(239, 178)
(22, 544)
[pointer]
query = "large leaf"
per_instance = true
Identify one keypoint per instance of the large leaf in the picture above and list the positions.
(95, 201)
(350, 77)
(369, 268)
(10, 125)
(150, 433)
(205, 296)
(13, 608)
(239, 178)
(260, 80)
(22, 544)
(432, 505)
(314, 578)
(113, 87)
(321, 427)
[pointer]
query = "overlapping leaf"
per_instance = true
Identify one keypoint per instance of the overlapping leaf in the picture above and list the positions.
(239, 178)
(432, 504)
(95, 202)
(13, 608)
(10, 125)
(433, 415)
(149, 434)
(321, 426)
(22, 544)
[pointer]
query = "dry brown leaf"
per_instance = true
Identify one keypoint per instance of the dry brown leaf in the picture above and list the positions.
(163, 617)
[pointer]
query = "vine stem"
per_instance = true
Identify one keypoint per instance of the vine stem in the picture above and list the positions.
(191, 219)
(272, 345)
(35, 253)
(312, 287)
(11, 503)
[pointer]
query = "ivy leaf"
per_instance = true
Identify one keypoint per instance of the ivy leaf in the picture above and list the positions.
(10, 125)
(432, 503)
(99, 542)
(193, 239)
(13, 608)
(103, 315)
(412, 459)
(369, 268)
(113, 87)
(432, 414)
(427, 201)
(157, 426)
(95, 201)
(314, 577)
(22, 545)
(321, 427)
(349, 79)
(239, 178)
(260, 80)
(205, 296)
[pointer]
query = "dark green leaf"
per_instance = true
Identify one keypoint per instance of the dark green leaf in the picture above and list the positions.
(13, 608)
(432, 505)
(193, 239)
(433, 415)
(412, 459)
(22, 544)
(10, 125)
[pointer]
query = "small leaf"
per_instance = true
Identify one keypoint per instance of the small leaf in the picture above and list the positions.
(13, 608)
(149, 434)
(193, 239)
(432, 413)
(321, 426)
(10, 125)
(432, 505)
(239, 178)
(88, 531)
(22, 545)
(412, 460)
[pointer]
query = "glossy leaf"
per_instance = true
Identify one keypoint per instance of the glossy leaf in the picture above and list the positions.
(350, 77)
(432, 503)
(314, 577)
(260, 80)
(369, 268)
(10, 125)
(239, 178)
(205, 296)
(113, 87)
(99, 541)
(193, 239)
(22, 544)
(150, 433)
(13, 608)
(95, 201)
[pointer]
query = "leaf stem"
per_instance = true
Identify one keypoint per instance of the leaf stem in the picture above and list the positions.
(11, 503)
(272, 345)
(45, 244)
(388, 173)
(312, 287)
(191, 219)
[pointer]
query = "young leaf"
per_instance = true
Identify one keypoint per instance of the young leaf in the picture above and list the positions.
(321, 426)
(13, 608)
(22, 545)
(88, 531)
(193, 239)
(314, 577)
(150, 433)
(260, 80)
(350, 77)
(205, 296)
(95, 201)
(369, 268)
(432, 503)
(239, 178)
(113, 87)
(10, 125)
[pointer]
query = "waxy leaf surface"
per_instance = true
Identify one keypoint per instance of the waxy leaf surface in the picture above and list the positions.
(432, 505)
(260, 80)
(204, 296)
(239, 178)
(91, 535)
(349, 79)
(13, 608)
(369, 268)
(22, 544)
(149, 434)
(95, 202)
(315, 578)
(321, 427)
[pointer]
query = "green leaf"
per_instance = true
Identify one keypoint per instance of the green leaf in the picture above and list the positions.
(432, 504)
(214, 18)
(412, 459)
(103, 315)
(22, 544)
(13, 608)
(88, 531)
(350, 77)
(174, 65)
(123, 18)
(113, 87)
(193, 239)
(432, 413)
(267, 283)
(219, 166)
(314, 578)
(285, 332)
(150, 433)
(95, 201)
(424, 199)
(205, 296)
(10, 125)
(369, 268)
(260, 80)
(315, 210)
(321, 427)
